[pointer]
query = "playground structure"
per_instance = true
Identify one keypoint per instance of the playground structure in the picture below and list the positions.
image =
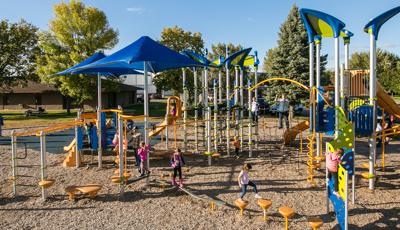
(355, 109)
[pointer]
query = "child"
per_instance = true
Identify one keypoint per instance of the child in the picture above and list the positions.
(236, 144)
(177, 162)
(332, 163)
(142, 153)
(243, 180)
(173, 111)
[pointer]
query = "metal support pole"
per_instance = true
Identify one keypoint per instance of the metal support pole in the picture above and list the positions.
(184, 110)
(318, 84)
(241, 108)
(346, 54)
(43, 162)
(372, 102)
(342, 101)
(327, 183)
(146, 113)
(121, 138)
(99, 120)
(209, 134)
(220, 85)
(14, 161)
(311, 68)
(196, 111)
(256, 96)
(250, 134)
(337, 85)
(77, 151)
(215, 116)
(228, 108)
(346, 201)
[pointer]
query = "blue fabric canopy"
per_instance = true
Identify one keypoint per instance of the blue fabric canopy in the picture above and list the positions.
(237, 58)
(133, 56)
(375, 24)
(196, 57)
(320, 23)
(108, 71)
(95, 57)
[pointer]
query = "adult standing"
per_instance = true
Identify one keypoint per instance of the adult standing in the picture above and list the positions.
(283, 110)
(254, 110)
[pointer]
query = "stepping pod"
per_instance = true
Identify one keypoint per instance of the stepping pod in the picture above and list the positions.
(315, 222)
(264, 204)
(241, 204)
(286, 212)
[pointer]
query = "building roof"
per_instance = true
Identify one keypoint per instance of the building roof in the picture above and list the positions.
(34, 87)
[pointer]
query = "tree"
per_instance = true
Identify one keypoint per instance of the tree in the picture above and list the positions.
(178, 39)
(75, 33)
(290, 58)
(219, 49)
(387, 68)
(18, 48)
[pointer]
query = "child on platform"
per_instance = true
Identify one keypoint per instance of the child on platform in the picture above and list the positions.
(332, 163)
(177, 162)
(236, 144)
(142, 153)
(243, 180)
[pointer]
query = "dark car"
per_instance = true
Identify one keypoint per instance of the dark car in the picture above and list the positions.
(263, 105)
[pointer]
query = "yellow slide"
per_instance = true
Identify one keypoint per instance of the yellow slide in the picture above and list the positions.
(170, 118)
(290, 134)
(386, 102)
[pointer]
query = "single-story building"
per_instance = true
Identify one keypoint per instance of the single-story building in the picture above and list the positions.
(35, 95)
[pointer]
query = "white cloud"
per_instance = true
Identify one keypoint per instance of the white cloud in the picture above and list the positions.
(136, 10)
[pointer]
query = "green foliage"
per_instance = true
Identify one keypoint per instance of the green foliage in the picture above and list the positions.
(220, 50)
(387, 68)
(76, 32)
(290, 59)
(18, 48)
(178, 39)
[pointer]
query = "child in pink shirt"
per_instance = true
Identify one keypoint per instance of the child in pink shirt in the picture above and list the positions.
(142, 153)
(332, 163)
(244, 181)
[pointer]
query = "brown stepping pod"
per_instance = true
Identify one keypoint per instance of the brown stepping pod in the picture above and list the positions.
(46, 183)
(90, 189)
(241, 204)
(264, 204)
(315, 222)
(286, 212)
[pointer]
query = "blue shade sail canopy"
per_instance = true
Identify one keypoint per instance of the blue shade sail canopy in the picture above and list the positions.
(196, 57)
(346, 35)
(320, 23)
(238, 58)
(375, 24)
(133, 56)
(95, 57)
(218, 63)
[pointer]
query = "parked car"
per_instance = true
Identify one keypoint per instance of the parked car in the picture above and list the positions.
(273, 109)
(298, 109)
(263, 106)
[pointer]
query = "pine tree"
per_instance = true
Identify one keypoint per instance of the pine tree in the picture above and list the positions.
(290, 59)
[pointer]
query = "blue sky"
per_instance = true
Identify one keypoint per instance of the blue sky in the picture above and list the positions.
(249, 23)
